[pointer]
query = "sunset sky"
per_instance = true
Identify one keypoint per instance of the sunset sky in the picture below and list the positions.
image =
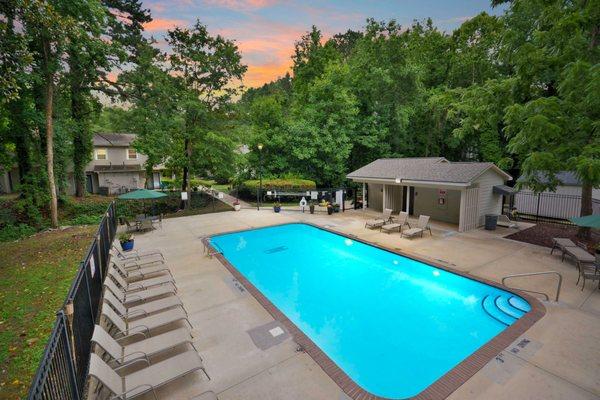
(265, 30)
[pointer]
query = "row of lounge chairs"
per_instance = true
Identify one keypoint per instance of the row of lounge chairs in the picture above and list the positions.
(142, 320)
(587, 265)
(388, 223)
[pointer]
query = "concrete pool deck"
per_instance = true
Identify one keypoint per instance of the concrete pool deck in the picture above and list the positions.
(558, 358)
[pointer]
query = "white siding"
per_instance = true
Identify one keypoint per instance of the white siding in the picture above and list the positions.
(469, 201)
(489, 203)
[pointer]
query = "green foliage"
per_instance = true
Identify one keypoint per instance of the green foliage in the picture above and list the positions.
(15, 232)
(280, 183)
(194, 182)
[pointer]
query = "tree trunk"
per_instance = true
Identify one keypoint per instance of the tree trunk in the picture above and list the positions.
(82, 142)
(149, 176)
(586, 209)
(48, 109)
(188, 151)
(184, 181)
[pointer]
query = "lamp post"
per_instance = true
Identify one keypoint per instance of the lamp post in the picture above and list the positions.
(258, 193)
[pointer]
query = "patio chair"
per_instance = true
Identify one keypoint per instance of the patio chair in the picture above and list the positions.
(144, 326)
(137, 255)
(379, 222)
(397, 224)
(129, 227)
(129, 298)
(506, 222)
(140, 284)
(141, 272)
(589, 272)
(143, 309)
(146, 225)
(145, 380)
(122, 355)
(422, 225)
(561, 244)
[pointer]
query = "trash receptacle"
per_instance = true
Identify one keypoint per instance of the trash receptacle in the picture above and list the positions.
(490, 221)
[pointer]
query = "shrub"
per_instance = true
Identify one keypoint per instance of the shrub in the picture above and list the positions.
(248, 188)
(175, 184)
(15, 232)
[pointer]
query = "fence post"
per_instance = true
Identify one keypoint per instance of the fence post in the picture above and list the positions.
(537, 211)
(67, 315)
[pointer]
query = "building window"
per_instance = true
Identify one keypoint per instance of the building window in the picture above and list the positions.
(131, 154)
(101, 154)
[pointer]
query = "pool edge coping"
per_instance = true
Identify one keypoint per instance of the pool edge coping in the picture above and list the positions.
(441, 388)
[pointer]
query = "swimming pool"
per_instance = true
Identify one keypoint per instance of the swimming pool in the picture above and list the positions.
(394, 325)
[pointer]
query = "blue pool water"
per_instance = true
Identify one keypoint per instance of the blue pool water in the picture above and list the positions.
(393, 324)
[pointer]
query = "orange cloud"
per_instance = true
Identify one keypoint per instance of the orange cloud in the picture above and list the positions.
(163, 24)
(258, 75)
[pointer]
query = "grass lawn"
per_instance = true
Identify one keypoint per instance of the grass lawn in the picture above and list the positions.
(35, 275)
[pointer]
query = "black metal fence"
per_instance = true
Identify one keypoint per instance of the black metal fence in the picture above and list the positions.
(64, 366)
(549, 207)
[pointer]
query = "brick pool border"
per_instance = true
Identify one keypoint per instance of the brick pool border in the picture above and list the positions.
(443, 386)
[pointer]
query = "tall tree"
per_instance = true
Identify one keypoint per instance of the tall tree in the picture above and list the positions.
(206, 68)
(556, 62)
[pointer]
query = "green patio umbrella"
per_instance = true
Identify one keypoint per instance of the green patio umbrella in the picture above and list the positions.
(142, 194)
(589, 221)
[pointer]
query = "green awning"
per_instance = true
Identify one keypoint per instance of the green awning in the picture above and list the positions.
(589, 221)
(141, 194)
(504, 190)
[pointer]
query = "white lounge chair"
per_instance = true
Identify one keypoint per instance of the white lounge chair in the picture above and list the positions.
(141, 272)
(145, 380)
(506, 222)
(379, 222)
(126, 354)
(137, 254)
(143, 326)
(422, 225)
(128, 286)
(130, 298)
(397, 224)
(143, 309)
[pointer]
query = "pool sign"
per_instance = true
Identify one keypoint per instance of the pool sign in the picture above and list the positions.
(92, 266)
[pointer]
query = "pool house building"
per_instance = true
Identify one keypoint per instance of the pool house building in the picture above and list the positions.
(460, 193)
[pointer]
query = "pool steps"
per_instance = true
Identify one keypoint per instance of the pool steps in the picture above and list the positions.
(504, 309)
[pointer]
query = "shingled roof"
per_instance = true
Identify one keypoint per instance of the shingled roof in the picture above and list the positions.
(113, 139)
(426, 169)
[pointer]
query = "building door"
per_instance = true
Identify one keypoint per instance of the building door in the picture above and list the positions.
(408, 194)
(89, 187)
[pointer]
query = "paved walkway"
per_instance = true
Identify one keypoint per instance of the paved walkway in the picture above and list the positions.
(560, 361)
(226, 197)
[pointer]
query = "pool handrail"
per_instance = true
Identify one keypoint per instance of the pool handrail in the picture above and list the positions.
(560, 278)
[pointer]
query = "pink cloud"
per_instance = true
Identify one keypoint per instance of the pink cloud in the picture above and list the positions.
(162, 24)
(240, 4)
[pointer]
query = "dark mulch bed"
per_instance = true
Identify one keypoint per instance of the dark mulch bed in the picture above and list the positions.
(542, 234)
